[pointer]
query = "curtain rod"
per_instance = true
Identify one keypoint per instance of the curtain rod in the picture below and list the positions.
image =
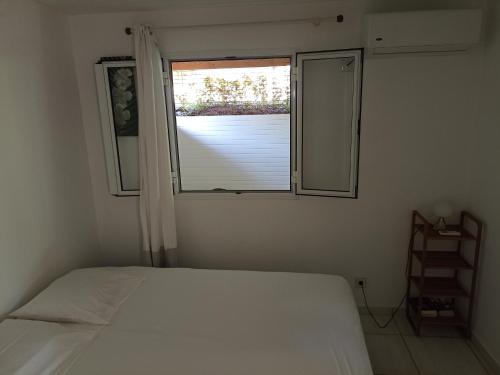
(315, 21)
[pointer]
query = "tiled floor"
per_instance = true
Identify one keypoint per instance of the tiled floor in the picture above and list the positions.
(396, 350)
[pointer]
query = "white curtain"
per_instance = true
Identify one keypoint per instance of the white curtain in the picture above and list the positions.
(157, 212)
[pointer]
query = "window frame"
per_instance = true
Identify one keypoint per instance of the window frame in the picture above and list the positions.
(110, 141)
(172, 127)
(352, 193)
(296, 190)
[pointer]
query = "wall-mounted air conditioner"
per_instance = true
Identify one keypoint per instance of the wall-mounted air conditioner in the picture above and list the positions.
(422, 31)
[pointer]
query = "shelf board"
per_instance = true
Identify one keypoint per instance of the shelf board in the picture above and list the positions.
(440, 287)
(443, 259)
(434, 235)
(456, 320)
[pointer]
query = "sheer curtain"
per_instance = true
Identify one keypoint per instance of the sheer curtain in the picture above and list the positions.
(156, 204)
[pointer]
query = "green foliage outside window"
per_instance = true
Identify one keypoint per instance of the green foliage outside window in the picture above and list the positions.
(220, 96)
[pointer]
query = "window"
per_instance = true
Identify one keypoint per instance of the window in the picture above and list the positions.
(116, 88)
(232, 120)
(328, 98)
(231, 128)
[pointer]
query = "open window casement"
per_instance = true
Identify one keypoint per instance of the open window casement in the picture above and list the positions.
(328, 115)
(116, 92)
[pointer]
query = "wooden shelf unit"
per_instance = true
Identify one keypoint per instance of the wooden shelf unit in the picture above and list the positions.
(433, 258)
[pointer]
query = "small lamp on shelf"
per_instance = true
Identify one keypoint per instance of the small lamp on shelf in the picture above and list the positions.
(442, 210)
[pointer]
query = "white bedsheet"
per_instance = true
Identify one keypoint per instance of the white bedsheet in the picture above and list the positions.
(194, 322)
(30, 347)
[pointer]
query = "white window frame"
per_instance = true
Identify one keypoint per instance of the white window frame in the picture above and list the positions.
(297, 190)
(357, 54)
(108, 127)
(172, 128)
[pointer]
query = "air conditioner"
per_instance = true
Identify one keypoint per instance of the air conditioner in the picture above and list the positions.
(422, 31)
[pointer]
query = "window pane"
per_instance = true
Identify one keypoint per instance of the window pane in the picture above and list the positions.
(125, 117)
(128, 157)
(233, 124)
(328, 88)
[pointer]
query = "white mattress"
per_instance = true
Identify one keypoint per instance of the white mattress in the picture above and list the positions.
(192, 322)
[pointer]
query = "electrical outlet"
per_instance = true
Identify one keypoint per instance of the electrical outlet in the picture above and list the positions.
(360, 282)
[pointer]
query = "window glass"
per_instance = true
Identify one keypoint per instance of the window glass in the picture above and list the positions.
(327, 115)
(125, 117)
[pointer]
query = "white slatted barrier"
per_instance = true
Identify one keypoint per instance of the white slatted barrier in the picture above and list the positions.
(243, 152)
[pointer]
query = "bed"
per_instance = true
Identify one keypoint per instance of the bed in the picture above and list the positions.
(186, 322)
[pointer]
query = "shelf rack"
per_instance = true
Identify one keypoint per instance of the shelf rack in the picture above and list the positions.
(421, 284)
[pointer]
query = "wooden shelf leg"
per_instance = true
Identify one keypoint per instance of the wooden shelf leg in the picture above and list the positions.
(418, 318)
(409, 268)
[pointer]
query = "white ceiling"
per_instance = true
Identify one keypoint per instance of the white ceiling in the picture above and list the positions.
(98, 6)
(101, 6)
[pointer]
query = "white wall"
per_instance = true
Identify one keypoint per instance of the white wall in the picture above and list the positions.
(47, 222)
(485, 192)
(411, 106)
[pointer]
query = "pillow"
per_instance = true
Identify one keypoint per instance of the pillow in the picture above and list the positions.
(90, 295)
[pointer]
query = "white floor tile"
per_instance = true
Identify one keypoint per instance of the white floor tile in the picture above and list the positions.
(443, 356)
(370, 327)
(402, 323)
(389, 355)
